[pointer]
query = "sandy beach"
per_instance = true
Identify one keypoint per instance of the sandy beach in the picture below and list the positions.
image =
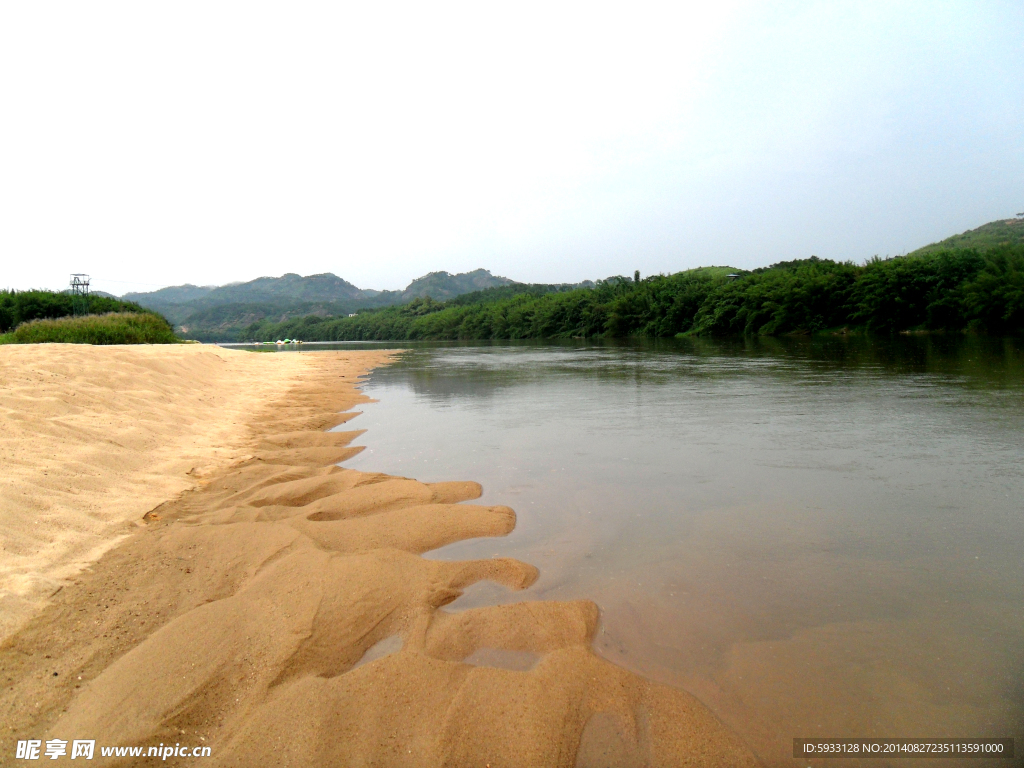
(93, 438)
(185, 563)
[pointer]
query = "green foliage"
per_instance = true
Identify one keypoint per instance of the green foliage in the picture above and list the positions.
(993, 299)
(112, 328)
(791, 297)
(949, 290)
(913, 292)
(491, 295)
(18, 307)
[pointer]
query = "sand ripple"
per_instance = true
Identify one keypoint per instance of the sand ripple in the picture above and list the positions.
(282, 614)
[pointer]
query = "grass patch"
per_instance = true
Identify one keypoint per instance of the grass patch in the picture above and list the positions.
(112, 328)
(17, 307)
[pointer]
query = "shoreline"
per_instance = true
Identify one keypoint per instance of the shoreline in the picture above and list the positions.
(281, 613)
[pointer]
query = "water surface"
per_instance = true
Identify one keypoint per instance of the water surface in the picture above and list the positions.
(815, 537)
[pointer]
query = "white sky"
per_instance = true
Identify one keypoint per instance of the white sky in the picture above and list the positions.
(207, 142)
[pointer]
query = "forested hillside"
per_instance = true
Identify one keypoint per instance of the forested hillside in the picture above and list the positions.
(949, 289)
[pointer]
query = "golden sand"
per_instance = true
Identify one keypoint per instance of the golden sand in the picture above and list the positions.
(92, 438)
(278, 609)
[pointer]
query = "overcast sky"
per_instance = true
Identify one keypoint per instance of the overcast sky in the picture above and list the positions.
(208, 142)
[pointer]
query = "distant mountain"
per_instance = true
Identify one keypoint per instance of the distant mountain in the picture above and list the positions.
(442, 285)
(288, 287)
(1005, 231)
(322, 287)
(176, 294)
(218, 313)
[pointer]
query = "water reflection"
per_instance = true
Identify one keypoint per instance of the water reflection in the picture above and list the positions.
(816, 537)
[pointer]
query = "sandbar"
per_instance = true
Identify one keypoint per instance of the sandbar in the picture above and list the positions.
(243, 591)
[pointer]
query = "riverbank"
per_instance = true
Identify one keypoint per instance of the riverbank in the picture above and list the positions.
(280, 612)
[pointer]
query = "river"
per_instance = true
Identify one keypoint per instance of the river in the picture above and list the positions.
(816, 537)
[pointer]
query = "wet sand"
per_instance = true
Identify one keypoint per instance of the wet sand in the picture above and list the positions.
(281, 613)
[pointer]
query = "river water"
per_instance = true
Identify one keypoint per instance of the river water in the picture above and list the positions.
(814, 537)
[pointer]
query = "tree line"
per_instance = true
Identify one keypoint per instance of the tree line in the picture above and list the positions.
(947, 290)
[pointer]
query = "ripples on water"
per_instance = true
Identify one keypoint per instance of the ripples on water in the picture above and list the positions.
(815, 537)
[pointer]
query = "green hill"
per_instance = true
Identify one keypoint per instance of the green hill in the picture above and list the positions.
(985, 237)
(972, 282)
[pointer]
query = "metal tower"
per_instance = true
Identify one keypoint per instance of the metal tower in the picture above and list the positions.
(79, 289)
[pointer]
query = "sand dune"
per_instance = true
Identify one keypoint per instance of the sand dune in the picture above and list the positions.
(281, 613)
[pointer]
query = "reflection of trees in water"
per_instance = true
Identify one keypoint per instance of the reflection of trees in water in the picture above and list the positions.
(438, 384)
(980, 359)
(484, 371)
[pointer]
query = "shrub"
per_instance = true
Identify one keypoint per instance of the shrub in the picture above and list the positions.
(17, 307)
(112, 328)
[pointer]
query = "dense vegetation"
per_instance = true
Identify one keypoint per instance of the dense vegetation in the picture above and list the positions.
(951, 289)
(18, 307)
(112, 328)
